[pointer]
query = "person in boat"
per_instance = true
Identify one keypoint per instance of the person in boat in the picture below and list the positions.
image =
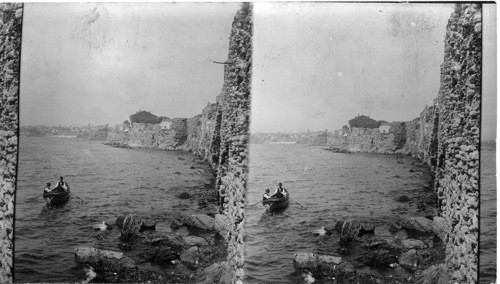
(47, 188)
(280, 192)
(266, 195)
(61, 185)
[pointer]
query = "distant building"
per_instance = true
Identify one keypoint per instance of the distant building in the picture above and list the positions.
(166, 123)
(384, 127)
(125, 125)
(363, 121)
(144, 117)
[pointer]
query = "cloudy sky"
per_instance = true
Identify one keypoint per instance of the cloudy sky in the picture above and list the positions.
(100, 63)
(317, 65)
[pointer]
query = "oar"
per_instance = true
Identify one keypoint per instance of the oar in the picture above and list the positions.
(79, 198)
(37, 196)
(255, 204)
(299, 204)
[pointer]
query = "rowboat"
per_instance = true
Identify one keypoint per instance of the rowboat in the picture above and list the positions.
(274, 204)
(56, 197)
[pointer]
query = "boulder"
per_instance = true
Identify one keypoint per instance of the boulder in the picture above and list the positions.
(418, 224)
(194, 241)
(219, 272)
(162, 254)
(436, 274)
(166, 254)
(173, 241)
(400, 272)
(354, 227)
(393, 245)
(413, 244)
(129, 224)
(409, 260)
(440, 227)
(366, 228)
(345, 268)
(196, 221)
(148, 224)
(403, 198)
(182, 231)
(316, 262)
(348, 229)
(379, 258)
(184, 195)
(191, 257)
(102, 259)
(221, 225)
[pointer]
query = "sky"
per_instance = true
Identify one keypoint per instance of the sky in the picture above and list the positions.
(96, 63)
(318, 65)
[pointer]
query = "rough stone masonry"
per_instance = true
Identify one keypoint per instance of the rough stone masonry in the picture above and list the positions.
(446, 137)
(10, 53)
(219, 135)
(457, 171)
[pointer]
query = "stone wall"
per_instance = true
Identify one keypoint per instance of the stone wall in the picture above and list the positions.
(203, 133)
(219, 135)
(232, 172)
(457, 172)
(421, 136)
(446, 137)
(371, 140)
(10, 53)
(146, 135)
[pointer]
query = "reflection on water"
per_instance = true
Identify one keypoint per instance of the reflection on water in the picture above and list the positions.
(488, 222)
(329, 186)
(111, 181)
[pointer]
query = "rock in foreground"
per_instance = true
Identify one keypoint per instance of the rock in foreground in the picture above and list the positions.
(102, 259)
(316, 262)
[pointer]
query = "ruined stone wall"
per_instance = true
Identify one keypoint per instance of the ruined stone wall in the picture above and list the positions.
(233, 118)
(421, 136)
(371, 140)
(417, 138)
(116, 136)
(202, 134)
(446, 137)
(457, 172)
(219, 135)
(10, 55)
(146, 135)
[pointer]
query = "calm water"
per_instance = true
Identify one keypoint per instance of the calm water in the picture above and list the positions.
(330, 186)
(488, 225)
(111, 181)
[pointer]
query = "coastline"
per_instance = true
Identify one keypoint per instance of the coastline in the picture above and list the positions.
(219, 135)
(447, 141)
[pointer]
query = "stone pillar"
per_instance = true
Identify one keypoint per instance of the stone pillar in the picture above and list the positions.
(234, 109)
(457, 172)
(10, 53)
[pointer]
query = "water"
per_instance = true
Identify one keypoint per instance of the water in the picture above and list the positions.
(112, 181)
(330, 186)
(488, 222)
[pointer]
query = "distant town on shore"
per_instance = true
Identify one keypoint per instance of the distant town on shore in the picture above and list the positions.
(308, 137)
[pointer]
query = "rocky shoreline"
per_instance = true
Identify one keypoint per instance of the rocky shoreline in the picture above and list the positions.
(385, 249)
(189, 248)
(446, 137)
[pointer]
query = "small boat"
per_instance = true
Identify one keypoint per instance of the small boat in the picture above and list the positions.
(56, 197)
(274, 204)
